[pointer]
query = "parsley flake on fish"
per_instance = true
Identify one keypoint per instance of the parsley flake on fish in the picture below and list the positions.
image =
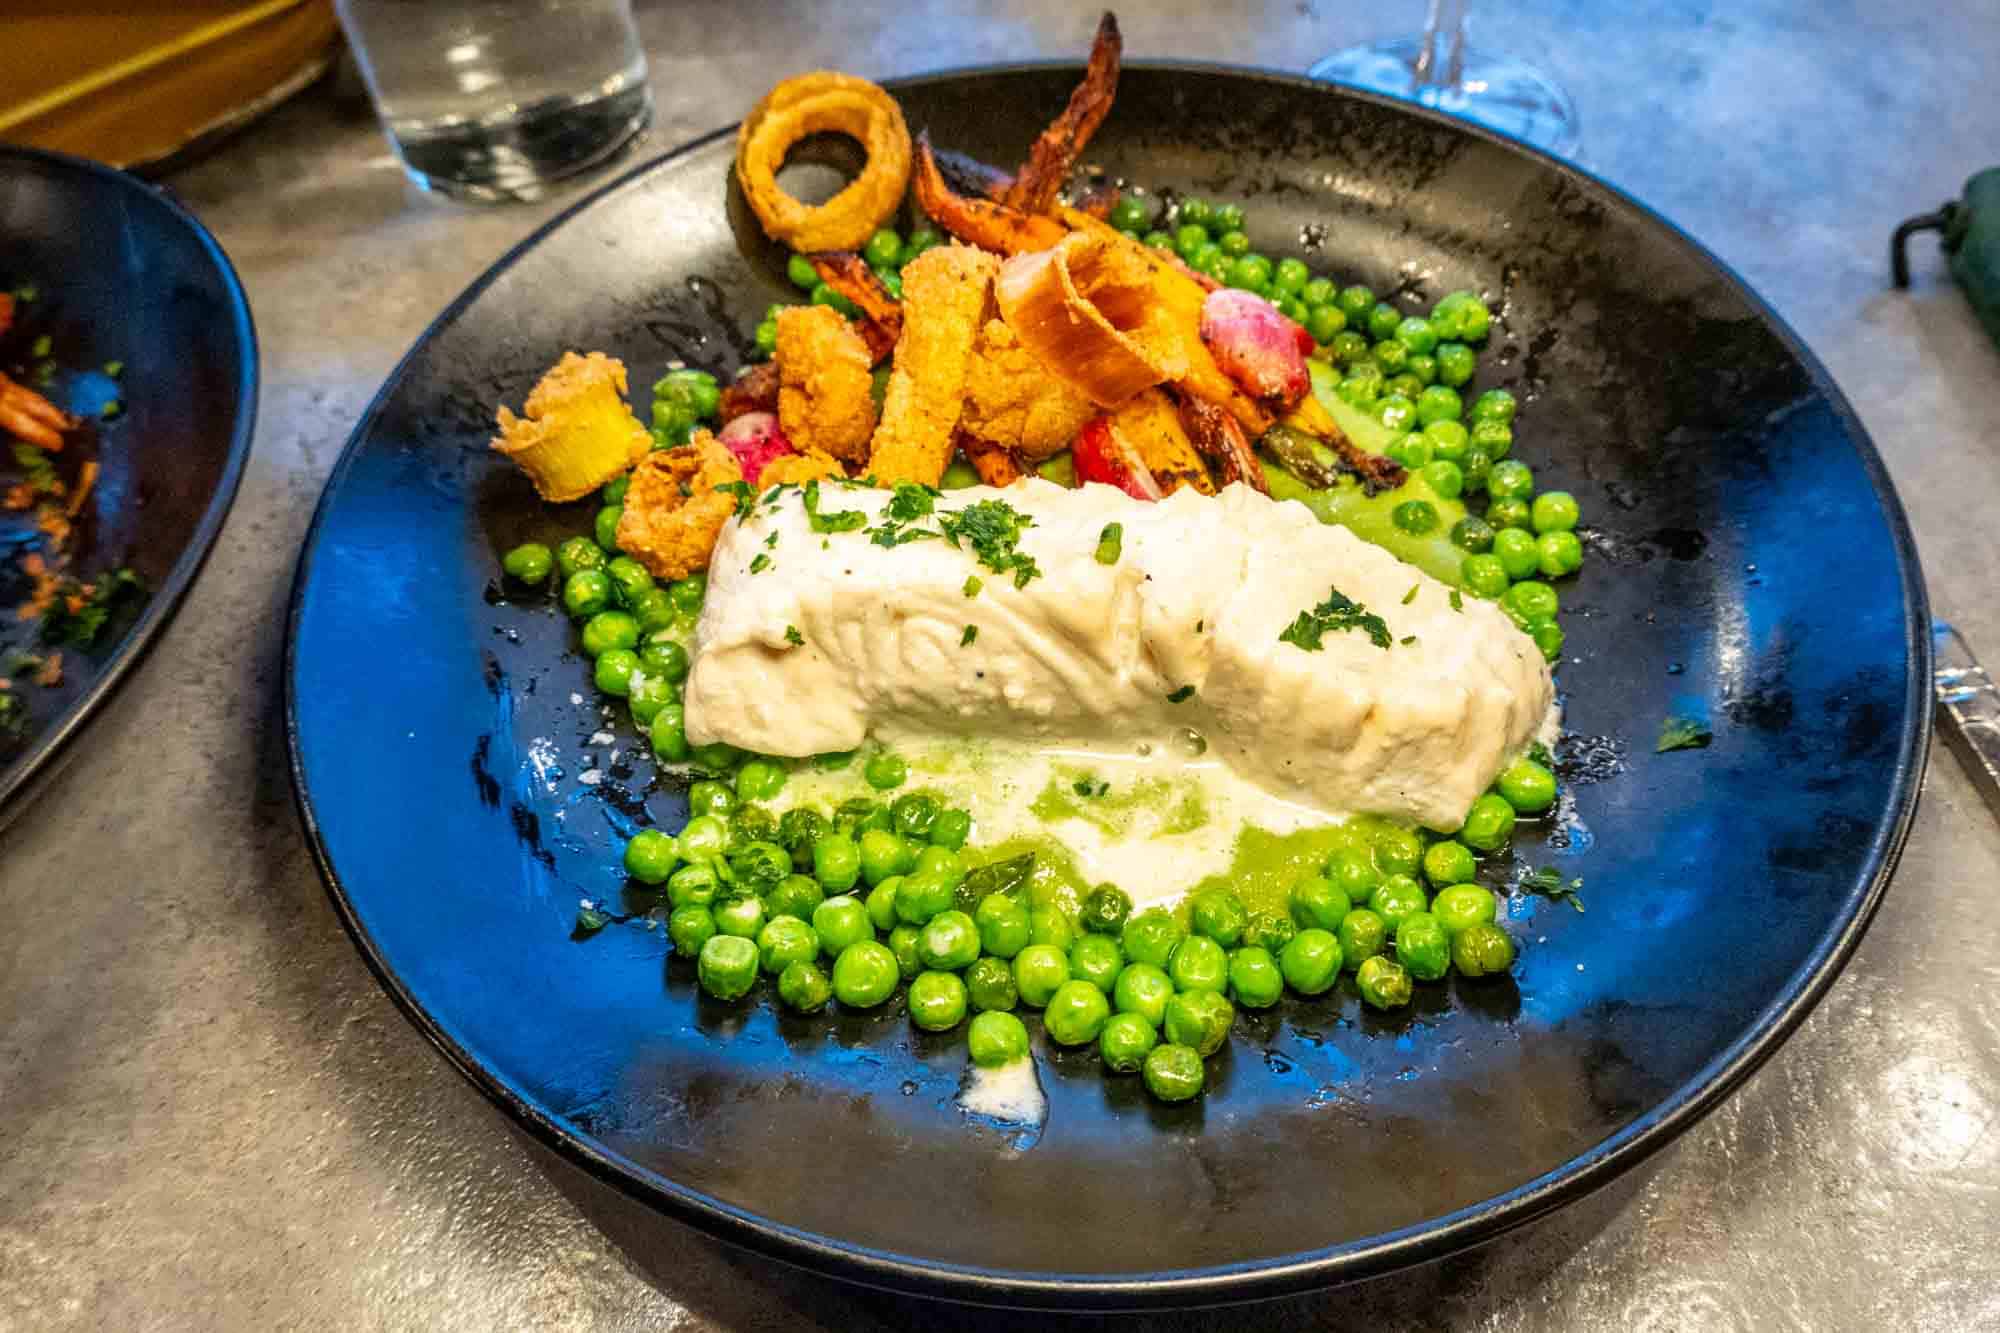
(1337, 613)
(1110, 543)
(844, 520)
(992, 528)
(793, 637)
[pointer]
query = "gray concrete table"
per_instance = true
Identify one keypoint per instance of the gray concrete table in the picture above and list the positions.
(210, 1116)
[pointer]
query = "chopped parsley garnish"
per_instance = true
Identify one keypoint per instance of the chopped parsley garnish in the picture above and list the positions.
(1110, 543)
(973, 583)
(845, 520)
(746, 499)
(112, 409)
(793, 637)
(911, 502)
(992, 528)
(589, 920)
(1092, 787)
(1540, 754)
(1411, 595)
(1549, 883)
(760, 564)
(41, 347)
(80, 610)
(1457, 602)
(1683, 733)
(113, 369)
(1181, 695)
(771, 542)
(1407, 640)
(971, 633)
(1336, 613)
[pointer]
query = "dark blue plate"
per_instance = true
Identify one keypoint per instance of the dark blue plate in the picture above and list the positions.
(1749, 565)
(123, 273)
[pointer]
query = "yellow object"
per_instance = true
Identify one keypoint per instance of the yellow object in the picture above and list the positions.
(135, 82)
(576, 433)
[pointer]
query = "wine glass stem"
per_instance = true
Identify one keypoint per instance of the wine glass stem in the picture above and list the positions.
(1441, 61)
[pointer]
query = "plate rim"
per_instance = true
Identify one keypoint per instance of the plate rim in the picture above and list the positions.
(1434, 1238)
(24, 778)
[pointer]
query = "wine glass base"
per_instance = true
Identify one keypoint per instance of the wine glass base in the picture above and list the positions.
(1505, 95)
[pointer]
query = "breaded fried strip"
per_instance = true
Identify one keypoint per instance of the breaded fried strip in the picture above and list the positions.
(824, 398)
(944, 300)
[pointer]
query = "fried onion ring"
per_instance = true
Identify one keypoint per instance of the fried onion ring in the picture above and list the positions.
(816, 103)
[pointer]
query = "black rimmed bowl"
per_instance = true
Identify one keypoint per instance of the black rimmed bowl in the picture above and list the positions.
(1749, 565)
(120, 273)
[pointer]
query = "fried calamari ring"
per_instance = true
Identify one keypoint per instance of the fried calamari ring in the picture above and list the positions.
(817, 103)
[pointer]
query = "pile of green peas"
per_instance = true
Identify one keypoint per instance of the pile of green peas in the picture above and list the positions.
(1411, 372)
(886, 252)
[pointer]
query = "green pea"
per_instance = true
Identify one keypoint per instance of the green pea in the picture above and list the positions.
(1318, 901)
(1105, 910)
(1449, 862)
(922, 239)
(1416, 517)
(952, 828)
(803, 988)
(989, 985)
(1124, 1042)
(1173, 1073)
(742, 916)
(1554, 511)
(654, 611)
(1494, 437)
(1255, 982)
(1370, 377)
(1558, 554)
(1394, 359)
(759, 780)
(586, 592)
(1478, 467)
(1159, 240)
(1530, 601)
(1396, 412)
(1463, 905)
(1199, 964)
(1096, 959)
(1383, 320)
(693, 886)
(836, 862)
(1414, 333)
(750, 822)
(669, 741)
(1211, 259)
(1423, 946)
(1200, 1019)
(1489, 824)
(1362, 935)
(709, 797)
(665, 657)
(797, 895)
(1325, 323)
(1494, 405)
(882, 903)
(1075, 1013)
(1250, 272)
(528, 563)
(1292, 308)
(915, 814)
(1404, 384)
(1440, 402)
(883, 249)
(937, 1001)
(995, 1039)
(1399, 898)
(651, 856)
(1290, 275)
(1130, 214)
(785, 940)
(1516, 551)
(689, 593)
(1050, 925)
(1482, 950)
(1219, 915)
(690, 927)
(1447, 479)
(1354, 872)
(578, 554)
(1143, 989)
(903, 946)
(727, 966)
(1004, 924)
(1151, 937)
(718, 757)
(1192, 209)
(1449, 439)
(922, 896)
(827, 296)
(614, 670)
(1483, 576)
(1356, 301)
(1039, 971)
(937, 861)
(1456, 363)
(1527, 786)
(948, 942)
(1473, 534)
(885, 770)
(1227, 217)
(864, 974)
(1270, 931)
(1548, 637)
(1235, 243)
(884, 854)
(1383, 983)
(1321, 291)
(1505, 514)
(629, 579)
(1348, 348)
(801, 272)
(1189, 237)
(607, 526)
(858, 814)
(839, 922)
(1422, 370)
(1511, 480)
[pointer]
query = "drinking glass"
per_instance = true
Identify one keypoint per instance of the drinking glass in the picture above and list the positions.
(494, 99)
(1437, 69)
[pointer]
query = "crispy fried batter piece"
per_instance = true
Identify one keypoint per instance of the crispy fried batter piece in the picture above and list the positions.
(816, 103)
(798, 469)
(1055, 152)
(577, 433)
(944, 299)
(1150, 422)
(673, 511)
(981, 222)
(824, 398)
(1011, 401)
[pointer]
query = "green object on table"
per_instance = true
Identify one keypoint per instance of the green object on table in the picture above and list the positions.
(1971, 240)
